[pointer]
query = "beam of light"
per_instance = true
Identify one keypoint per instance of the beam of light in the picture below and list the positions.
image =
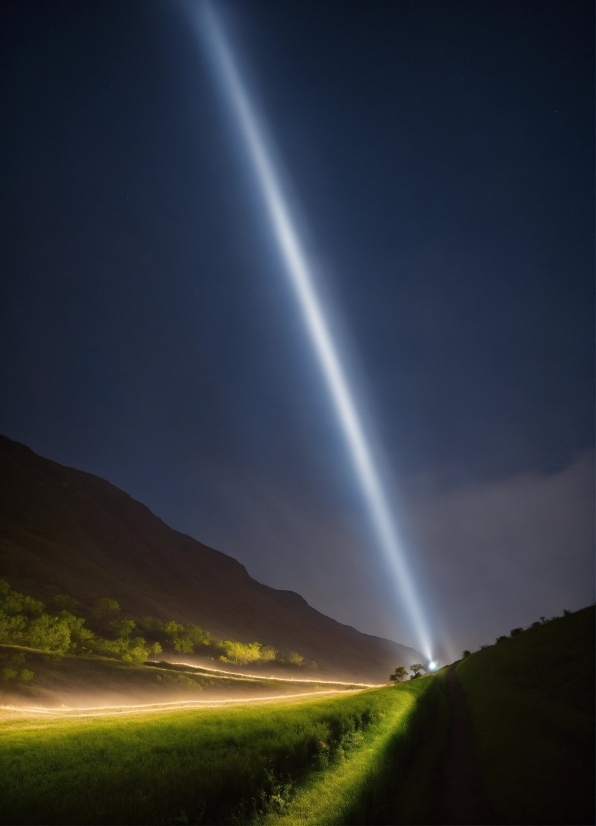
(298, 270)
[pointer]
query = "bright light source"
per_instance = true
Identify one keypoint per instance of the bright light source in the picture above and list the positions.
(300, 275)
(433, 665)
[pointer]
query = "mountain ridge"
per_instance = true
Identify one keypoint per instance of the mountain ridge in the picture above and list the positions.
(64, 530)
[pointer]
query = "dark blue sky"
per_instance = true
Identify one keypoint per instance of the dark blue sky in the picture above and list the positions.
(440, 160)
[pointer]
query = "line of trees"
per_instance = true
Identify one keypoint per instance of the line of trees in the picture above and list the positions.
(401, 673)
(516, 631)
(107, 632)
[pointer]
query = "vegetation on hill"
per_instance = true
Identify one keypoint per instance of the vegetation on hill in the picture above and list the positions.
(531, 699)
(63, 531)
(25, 621)
(31, 678)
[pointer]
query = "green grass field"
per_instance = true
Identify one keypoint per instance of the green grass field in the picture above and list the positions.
(208, 766)
(531, 698)
(375, 757)
(388, 775)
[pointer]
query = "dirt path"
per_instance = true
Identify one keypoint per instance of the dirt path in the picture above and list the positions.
(460, 798)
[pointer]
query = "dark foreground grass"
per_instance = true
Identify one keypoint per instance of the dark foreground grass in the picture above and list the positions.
(207, 766)
(531, 699)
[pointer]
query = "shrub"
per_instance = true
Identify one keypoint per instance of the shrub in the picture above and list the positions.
(25, 621)
(295, 658)
(66, 603)
(151, 624)
(268, 653)
(106, 609)
(416, 668)
(515, 631)
(183, 645)
(400, 674)
(122, 627)
(50, 634)
(240, 653)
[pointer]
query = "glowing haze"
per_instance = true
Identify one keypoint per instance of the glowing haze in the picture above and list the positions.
(300, 274)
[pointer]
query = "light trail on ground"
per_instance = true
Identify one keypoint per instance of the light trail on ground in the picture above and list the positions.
(301, 276)
(181, 705)
(277, 679)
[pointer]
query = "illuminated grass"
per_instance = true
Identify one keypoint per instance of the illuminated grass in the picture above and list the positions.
(330, 796)
(386, 777)
(212, 766)
(314, 762)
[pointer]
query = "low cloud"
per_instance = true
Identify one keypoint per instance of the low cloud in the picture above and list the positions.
(501, 554)
(488, 557)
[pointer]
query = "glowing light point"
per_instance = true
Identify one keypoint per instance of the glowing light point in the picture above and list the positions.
(433, 665)
(301, 278)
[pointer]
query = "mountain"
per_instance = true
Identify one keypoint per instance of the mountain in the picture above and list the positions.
(63, 531)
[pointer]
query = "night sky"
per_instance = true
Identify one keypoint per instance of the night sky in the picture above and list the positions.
(439, 159)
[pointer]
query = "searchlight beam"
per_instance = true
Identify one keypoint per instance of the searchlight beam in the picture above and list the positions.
(298, 271)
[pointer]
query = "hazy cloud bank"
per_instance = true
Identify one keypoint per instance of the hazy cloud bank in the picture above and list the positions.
(488, 556)
(501, 554)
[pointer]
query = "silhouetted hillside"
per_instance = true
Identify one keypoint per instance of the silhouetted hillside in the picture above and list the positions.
(63, 531)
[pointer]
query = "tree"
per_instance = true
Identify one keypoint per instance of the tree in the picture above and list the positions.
(106, 609)
(268, 653)
(466, 653)
(400, 674)
(240, 653)
(136, 651)
(183, 645)
(66, 603)
(416, 669)
(122, 628)
(48, 633)
(295, 658)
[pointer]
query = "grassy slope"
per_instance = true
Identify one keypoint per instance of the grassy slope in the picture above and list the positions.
(366, 758)
(84, 681)
(531, 698)
(351, 759)
(153, 768)
(388, 778)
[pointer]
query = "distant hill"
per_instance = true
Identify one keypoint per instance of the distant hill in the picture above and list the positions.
(63, 531)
